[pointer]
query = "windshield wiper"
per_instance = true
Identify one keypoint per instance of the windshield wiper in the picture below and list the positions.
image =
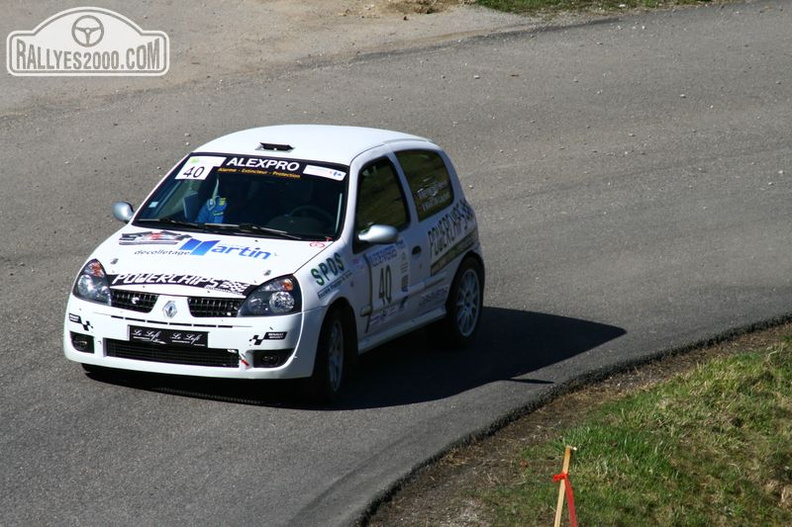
(247, 228)
(252, 228)
(211, 227)
(170, 221)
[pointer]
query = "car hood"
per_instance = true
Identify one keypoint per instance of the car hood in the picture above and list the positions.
(178, 262)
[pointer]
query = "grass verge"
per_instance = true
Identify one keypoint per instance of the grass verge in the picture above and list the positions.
(711, 446)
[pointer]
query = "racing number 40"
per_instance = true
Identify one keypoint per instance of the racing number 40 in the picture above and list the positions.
(193, 172)
(385, 285)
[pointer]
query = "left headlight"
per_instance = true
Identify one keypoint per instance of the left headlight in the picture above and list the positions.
(92, 284)
(280, 296)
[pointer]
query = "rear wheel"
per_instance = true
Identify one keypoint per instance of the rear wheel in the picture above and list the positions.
(329, 370)
(464, 306)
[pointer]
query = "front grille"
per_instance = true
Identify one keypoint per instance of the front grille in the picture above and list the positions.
(214, 307)
(143, 302)
(171, 354)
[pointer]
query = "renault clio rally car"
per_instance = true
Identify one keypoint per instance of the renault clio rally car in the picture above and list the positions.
(282, 252)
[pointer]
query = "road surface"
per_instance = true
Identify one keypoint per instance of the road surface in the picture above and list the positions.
(631, 178)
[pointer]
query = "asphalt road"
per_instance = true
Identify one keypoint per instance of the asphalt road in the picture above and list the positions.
(632, 179)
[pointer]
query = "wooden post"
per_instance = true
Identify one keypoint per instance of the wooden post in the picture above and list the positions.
(562, 486)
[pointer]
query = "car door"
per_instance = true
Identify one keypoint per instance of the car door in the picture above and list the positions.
(432, 197)
(381, 200)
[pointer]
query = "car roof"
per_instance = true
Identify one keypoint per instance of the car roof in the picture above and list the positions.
(330, 143)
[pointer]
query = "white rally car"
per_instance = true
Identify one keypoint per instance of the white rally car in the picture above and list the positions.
(282, 252)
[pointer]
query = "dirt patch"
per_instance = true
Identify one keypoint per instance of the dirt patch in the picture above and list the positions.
(441, 494)
(422, 7)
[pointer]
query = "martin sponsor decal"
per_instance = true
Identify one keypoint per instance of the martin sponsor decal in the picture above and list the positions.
(191, 247)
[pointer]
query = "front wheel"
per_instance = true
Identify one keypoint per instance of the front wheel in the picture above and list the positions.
(329, 366)
(464, 305)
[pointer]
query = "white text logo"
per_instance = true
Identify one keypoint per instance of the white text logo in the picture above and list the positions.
(87, 41)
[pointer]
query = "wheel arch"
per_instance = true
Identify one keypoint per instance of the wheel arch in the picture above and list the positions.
(476, 256)
(344, 308)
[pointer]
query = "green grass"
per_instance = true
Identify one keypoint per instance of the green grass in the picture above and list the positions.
(710, 447)
(546, 6)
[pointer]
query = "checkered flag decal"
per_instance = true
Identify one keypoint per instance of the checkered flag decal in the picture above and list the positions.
(237, 288)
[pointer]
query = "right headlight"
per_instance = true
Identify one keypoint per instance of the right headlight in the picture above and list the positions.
(92, 284)
(280, 296)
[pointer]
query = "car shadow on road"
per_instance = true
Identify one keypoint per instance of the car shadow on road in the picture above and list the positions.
(414, 368)
(510, 344)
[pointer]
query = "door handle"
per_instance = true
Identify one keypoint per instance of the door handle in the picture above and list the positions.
(416, 250)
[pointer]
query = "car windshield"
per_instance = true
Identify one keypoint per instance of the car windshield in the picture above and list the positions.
(255, 196)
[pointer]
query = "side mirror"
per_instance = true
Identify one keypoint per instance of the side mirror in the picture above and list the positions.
(379, 234)
(122, 211)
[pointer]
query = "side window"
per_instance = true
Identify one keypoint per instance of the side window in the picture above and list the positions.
(430, 183)
(380, 197)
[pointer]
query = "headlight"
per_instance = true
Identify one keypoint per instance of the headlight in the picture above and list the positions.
(277, 297)
(92, 284)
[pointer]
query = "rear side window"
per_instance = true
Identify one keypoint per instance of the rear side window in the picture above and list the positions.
(430, 183)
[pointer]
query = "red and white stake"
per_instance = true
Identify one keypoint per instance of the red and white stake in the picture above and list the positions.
(565, 489)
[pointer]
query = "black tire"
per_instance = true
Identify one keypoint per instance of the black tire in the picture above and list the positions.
(463, 307)
(330, 365)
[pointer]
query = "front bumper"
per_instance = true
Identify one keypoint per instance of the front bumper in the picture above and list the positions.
(277, 347)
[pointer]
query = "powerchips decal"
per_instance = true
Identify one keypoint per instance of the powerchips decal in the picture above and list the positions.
(202, 282)
(452, 234)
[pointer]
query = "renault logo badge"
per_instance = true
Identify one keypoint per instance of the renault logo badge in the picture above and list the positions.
(170, 309)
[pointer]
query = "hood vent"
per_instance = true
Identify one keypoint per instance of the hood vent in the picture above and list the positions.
(276, 147)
